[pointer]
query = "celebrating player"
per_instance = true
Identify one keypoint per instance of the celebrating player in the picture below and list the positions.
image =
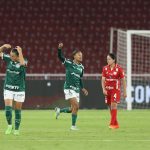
(73, 83)
(14, 86)
(111, 76)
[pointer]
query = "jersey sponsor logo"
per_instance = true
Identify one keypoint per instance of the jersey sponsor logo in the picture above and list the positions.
(75, 74)
(15, 72)
(12, 87)
(80, 69)
(15, 64)
(109, 87)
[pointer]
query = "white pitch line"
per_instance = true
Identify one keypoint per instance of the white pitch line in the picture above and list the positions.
(68, 140)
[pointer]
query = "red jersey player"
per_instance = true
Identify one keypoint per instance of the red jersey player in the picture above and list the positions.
(111, 80)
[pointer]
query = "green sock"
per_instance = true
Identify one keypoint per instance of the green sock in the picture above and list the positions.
(17, 118)
(65, 110)
(74, 118)
(8, 113)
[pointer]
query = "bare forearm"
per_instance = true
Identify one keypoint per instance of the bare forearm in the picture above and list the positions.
(103, 83)
(21, 59)
(2, 48)
(7, 46)
(124, 87)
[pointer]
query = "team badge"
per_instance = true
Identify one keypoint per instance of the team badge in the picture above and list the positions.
(17, 65)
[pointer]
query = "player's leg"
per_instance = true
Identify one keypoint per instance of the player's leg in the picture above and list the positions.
(108, 102)
(18, 107)
(8, 100)
(68, 94)
(114, 122)
(114, 102)
(62, 110)
(19, 99)
(75, 107)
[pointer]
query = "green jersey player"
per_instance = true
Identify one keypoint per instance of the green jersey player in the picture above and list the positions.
(14, 85)
(73, 83)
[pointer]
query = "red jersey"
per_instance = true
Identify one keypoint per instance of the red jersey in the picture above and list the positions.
(112, 76)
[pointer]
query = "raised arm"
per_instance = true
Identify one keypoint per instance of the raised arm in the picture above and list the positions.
(21, 58)
(60, 54)
(3, 47)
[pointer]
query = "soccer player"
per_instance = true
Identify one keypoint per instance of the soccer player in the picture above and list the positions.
(111, 76)
(14, 86)
(73, 83)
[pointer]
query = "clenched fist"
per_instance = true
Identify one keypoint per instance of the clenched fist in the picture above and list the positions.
(60, 45)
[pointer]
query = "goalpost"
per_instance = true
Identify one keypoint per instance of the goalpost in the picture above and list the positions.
(133, 54)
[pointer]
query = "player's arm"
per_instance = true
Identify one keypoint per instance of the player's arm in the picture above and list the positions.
(124, 87)
(3, 47)
(85, 91)
(21, 58)
(103, 85)
(123, 82)
(60, 54)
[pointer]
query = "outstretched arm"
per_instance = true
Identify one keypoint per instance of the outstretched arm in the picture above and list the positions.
(60, 54)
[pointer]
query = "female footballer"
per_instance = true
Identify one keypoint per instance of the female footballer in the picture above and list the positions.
(112, 74)
(14, 86)
(73, 83)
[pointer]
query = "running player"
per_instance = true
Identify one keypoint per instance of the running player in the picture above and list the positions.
(73, 83)
(14, 86)
(111, 76)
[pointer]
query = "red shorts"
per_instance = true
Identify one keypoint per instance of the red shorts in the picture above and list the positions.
(112, 96)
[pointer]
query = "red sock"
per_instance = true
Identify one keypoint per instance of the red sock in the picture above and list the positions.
(116, 122)
(113, 116)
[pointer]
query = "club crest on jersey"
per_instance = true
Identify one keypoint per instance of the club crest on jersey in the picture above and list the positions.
(17, 65)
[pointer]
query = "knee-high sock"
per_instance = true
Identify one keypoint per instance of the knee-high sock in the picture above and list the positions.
(113, 116)
(116, 121)
(74, 119)
(17, 118)
(8, 113)
(65, 110)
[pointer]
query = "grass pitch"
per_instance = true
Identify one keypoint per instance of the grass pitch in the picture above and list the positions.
(41, 131)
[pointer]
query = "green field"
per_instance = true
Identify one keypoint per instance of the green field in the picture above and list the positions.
(40, 131)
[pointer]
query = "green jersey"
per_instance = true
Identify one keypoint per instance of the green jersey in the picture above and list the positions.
(74, 73)
(15, 75)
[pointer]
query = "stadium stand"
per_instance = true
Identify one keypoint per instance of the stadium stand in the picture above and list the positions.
(38, 26)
